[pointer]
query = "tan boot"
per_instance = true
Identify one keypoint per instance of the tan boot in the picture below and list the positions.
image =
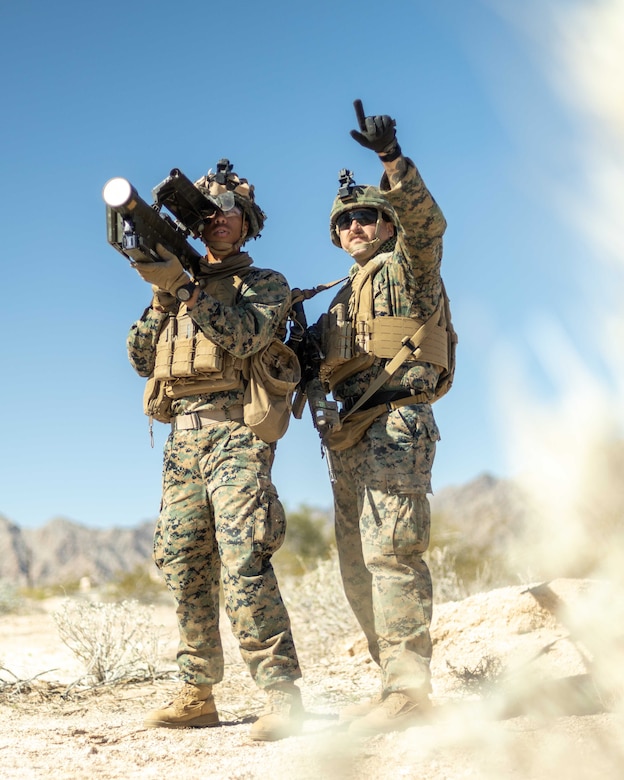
(193, 707)
(282, 716)
(357, 710)
(396, 712)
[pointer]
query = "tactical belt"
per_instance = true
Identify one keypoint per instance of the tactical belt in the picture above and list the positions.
(193, 421)
(385, 397)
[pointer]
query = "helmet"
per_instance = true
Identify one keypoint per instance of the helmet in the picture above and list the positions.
(226, 189)
(351, 196)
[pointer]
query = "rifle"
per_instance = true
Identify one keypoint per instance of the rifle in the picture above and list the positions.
(306, 344)
(134, 228)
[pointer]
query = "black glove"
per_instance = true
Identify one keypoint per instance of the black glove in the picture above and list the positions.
(376, 133)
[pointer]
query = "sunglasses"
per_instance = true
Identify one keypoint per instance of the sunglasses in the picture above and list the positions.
(363, 216)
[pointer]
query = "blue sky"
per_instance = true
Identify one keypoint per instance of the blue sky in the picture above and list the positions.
(134, 90)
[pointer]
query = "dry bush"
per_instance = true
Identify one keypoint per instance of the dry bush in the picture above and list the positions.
(451, 582)
(447, 586)
(115, 642)
(309, 539)
(318, 608)
(9, 598)
(478, 679)
(141, 584)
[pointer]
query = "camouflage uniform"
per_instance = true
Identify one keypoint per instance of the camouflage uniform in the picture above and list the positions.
(381, 506)
(221, 519)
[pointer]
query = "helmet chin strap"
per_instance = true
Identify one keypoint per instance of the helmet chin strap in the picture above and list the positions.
(364, 249)
(221, 249)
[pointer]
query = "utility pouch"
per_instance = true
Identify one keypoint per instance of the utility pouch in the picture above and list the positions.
(156, 403)
(189, 354)
(355, 425)
(272, 374)
(208, 355)
(164, 351)
(183, 347)
(227, 379)
(362, 336)
(337, 332)
(353, 429)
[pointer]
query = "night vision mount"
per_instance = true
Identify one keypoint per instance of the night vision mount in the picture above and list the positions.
(346, 183)
(224, 167)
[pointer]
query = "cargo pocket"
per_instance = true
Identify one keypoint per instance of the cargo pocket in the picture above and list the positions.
(415, 421)
(401, 460)
(410, 535)
(269, 523)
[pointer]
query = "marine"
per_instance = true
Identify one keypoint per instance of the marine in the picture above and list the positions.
(387, 355)
(221, 519)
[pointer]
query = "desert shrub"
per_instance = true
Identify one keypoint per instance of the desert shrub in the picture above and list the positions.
(480, 573)
(447, 586)
(9, 598)
(42, 592)
(318, 608)
(477, 565)
(479, 679)
(309, 538)
(115, 642)
(136, 585)
(454, 581)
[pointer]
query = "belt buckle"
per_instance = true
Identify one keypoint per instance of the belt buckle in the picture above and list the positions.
(193, 418)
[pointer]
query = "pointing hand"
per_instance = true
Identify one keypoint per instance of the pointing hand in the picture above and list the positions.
(376, 132)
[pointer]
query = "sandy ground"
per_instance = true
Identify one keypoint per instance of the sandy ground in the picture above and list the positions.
(556, 727)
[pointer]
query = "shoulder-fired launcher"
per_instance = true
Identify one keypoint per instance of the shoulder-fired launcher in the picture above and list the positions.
(134, 227)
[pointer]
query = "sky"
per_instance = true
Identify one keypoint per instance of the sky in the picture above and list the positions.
(505, 109)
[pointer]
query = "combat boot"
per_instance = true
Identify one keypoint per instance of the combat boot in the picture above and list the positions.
(282, 716)
(193, 707)
(397, 711)
(358, 710)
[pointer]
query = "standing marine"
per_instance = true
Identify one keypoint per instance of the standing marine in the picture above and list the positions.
(387, 348)
(220, 519)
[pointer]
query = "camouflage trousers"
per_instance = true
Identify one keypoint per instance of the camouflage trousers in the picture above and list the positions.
(220, 522)
(382, 530)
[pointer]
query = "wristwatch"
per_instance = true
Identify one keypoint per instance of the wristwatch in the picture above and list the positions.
(185, 292)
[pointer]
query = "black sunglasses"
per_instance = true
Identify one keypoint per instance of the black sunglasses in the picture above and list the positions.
(363, 216)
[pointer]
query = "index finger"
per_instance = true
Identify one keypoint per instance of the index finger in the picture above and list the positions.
(359, 113)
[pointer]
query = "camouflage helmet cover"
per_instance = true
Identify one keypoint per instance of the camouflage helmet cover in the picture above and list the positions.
(225, 180)
(359, 196)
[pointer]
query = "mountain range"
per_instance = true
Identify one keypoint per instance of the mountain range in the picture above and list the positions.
(483, 512)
